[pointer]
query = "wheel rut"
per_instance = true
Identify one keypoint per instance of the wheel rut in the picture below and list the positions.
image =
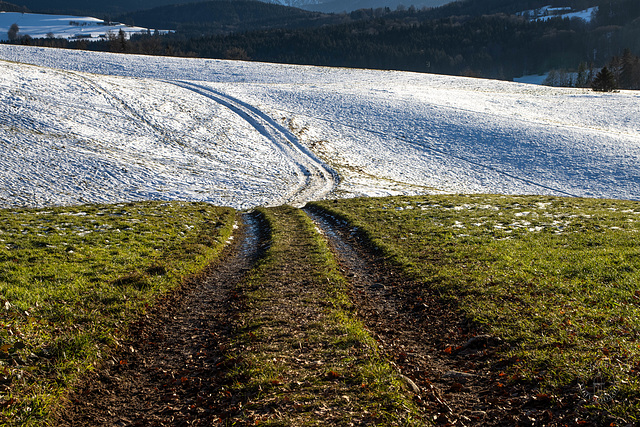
(315, 179)
(171, 371)
(451, 366)
(175, 368)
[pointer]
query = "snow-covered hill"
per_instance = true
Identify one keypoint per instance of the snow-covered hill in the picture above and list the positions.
(62, 26)
(103, 127)
(548, 12)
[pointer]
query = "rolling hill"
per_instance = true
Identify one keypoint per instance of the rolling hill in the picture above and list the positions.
(121, 6)
(223, 16)
(94, 8)
(102, 127)
(10, 7)
(338, 6)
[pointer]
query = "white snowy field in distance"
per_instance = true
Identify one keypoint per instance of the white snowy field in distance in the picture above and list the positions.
(586, 15)
(99, 127)
(547, 12)
(62, 26)
(534, 79)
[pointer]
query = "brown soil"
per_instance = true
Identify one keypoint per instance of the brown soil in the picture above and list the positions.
(458, 376)
(173, 369)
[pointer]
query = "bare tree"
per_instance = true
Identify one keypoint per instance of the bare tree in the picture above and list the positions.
(13, 32)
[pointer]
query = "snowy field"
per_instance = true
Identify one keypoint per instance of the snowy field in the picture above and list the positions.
(94, 127)
(547, 12)
(61, 26)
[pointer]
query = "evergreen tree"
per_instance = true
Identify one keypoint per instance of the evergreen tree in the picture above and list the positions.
(582, 80)
(629, 71)
(604, 81)
(122, 41)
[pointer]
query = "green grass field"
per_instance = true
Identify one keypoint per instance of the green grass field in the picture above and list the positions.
(557, 278)
(71, 279)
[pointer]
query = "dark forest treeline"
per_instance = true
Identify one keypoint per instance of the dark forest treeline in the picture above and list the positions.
(489, 46)
(622, 72)
(226, 17)
(10, 7)
(618, 12)
(626, 70)
(494, 46)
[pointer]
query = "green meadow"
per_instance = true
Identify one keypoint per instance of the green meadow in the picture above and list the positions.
(303, 352)
(557, 278)
(72, 278)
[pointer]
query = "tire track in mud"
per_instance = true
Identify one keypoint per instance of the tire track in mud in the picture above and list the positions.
(315, 179)
(381, 308)
(172, 371)
(453, 368)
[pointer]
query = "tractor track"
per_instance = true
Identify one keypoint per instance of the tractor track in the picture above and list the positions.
(315, 180)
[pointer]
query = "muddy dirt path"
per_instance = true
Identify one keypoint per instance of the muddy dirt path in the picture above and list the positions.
(451, 367)
(170, 373)
(174, 371)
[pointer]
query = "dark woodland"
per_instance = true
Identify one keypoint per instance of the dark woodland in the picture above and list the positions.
(479, 38)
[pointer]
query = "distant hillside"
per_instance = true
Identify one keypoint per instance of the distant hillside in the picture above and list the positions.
(338, 6)
(9, 7)
(452, 7)
(224, 17)
(295, 3)
(93, 7)
(443, 8)
(481, 38)
(116, 7)
(495, 46)
(509, 7)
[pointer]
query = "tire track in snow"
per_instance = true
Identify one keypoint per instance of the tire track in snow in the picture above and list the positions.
(315, 179)
(121, 105)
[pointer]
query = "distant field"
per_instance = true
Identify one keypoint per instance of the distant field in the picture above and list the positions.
(62, 26)
(557, 278)
(72, 278)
